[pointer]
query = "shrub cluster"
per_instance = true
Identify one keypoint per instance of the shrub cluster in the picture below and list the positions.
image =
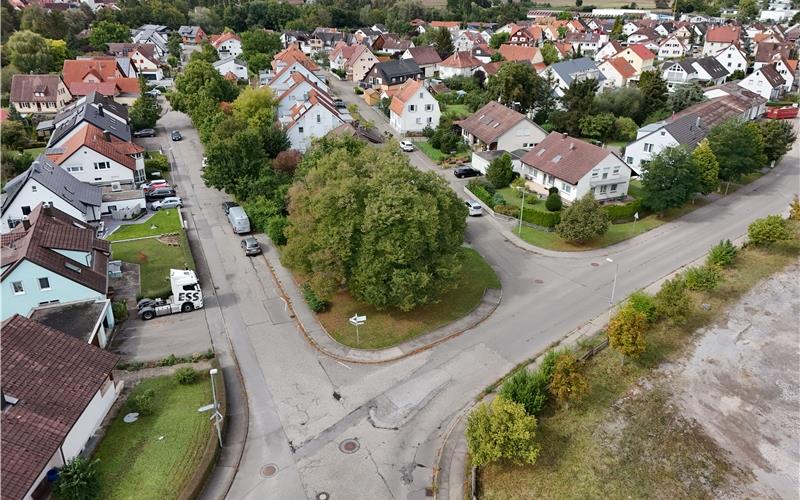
(315, 303)
(645, 304)
(672, 301)
(144, 402)
(531, 389)
(186, 376)
(703, 278)
(770, 229)
(623, 212)
(120, 310)
(722, 254)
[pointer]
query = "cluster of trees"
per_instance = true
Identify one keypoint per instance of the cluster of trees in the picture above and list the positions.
(145, 110)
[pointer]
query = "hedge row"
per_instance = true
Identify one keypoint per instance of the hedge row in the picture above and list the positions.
(623, 212)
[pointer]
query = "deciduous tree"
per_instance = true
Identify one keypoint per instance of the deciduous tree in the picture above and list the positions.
(568, 383)
(105, 32)
(501, 430)
(500, 171)
(549, 53)
(578, 102)
(498, 39)
(516, 85)
(29, 52)
(626, 332)
(685, 96)
(670, 180)
(583, 220)
(654, 94)
(707, 166)
(738, 147)
(778, 137)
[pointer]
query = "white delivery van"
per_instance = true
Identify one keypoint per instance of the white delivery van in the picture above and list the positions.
(239, 221)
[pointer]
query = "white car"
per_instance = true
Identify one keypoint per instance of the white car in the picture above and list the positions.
(169, 202)
(406, 146)
(154, 92)
(474, 208)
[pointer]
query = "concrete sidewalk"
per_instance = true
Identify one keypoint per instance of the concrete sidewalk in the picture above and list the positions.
(318, 337)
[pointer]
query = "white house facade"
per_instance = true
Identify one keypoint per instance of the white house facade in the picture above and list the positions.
(413, 108)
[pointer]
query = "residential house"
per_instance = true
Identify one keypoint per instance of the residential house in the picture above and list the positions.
(325, 39)
(192, 35)
(585, 43)
(665, 28)
(705, 71)
(51, 257)
(672, 48)
(284, 79)
(57, 390)
(565, 72)
(390, 43)
(488, 70)
(452, 26)
(531, 36)
(576, 168)
(766, 81)
(769, 52)
(298, 92)
(232, 69)
(156, 35)
(142, 59)
(617, 72)
(44, 183)
(354, 60)
(468, 40)
(413, 108)
(629, 28)
(483, 53)
(366, 35)
(496, 127)
(227, 44)
(521, 53)
(97, 157)
(312, 118)
(100, 74)
(38, 94)
(643, 36)
(608, 50)
(638, 56)
(732, 58)
(426, 58)
(96, 109)
(709, 71)
(720, 37)
(292, 55)
(687, 131)
(393, 72)
(458, 64)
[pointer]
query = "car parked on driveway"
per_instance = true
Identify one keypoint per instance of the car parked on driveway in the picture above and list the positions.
(176, 135)
(474, 208)
(145, 132)
(227, 205)
(251, 246)
(159, 193)
(156, 183)
(407, 146)
(169, 202)
(463, 172)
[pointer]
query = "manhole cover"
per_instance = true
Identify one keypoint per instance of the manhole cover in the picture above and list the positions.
(349, 446)
(269, 470)
(538, 281)
(323, 496)
(595, 264)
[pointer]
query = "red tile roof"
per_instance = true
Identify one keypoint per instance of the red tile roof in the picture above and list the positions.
(724, 34)
(404, 93)
(445, 24)
(54, 377)
(565, 157)
(217, 40)
(622, 67)
(82, 76)
(642, 51)
(518, 52)
(462, 59)
(93, 138)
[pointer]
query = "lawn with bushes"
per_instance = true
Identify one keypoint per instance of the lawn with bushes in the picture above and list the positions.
(431, 152)
(155, 257)
(157, 455)
(621, 439)
(387, 328)
(162, 222)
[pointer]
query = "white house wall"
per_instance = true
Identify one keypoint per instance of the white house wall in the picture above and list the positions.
(86, 158)
(26, 197)
(636, 152)
(90, 420)
(523, 135)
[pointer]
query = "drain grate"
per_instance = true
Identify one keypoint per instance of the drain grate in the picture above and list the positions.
(538, 281)
(322, 496)
(595, 264)
(269, 470)
(349, 446)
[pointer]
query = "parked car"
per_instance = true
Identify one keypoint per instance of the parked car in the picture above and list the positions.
(156, 183)
(145, 132)
(227, 205)
(176, 135)
(406, 146)
(154, 92)
(462, 172)
(239, 220)
(251, 246)
(170, 202)
(474, 208)
(339, 103)
(159, 193)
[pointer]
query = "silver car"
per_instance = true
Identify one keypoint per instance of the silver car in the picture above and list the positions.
(251, 246)
(169, 202)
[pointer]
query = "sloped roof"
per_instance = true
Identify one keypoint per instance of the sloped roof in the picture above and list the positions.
(94, 139)
(724, 34)
(397, 67)
(772, 75)
(88, 109)
(406, 92)
(512, 52)
(566, 70)
(64, 185)
(712, 66)
(622, 67)
(445, 24)
(25, 87)
(54, 377)
(491, 121)
(424, 55)
(217, 40)
(765, 51)
(462, 59)
(715, 111)
(687, 129)
(642, 51)
(565, 157)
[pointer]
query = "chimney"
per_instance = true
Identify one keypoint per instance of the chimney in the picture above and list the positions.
(571, 146)
(26, 223)
(565, 135)
(107, 135)
(100, 110)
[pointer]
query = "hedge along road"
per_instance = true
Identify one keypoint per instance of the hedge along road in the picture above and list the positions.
(398, 411)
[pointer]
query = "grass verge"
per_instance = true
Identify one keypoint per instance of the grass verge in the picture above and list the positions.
(431, 152)
(387, 328)
(156, 456)
(162, 222)
(34, 152)
(625, 440)
(155, 257)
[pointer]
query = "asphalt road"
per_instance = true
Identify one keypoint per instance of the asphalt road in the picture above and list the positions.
(398, 412)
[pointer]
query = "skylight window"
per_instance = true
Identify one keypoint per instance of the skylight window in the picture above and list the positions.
(556, 158)
(72, 267)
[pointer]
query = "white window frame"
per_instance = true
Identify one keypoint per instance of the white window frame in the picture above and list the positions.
(44, 288)
(102, 165)
(18, 288)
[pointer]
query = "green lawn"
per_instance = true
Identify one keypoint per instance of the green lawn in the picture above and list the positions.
(155, 258)
(34, 152)
(156, 456)
(615, 234)
(388, 328)
(432, 153)
(457, 111)
(635, 189)
(163, 222)
(514, 198)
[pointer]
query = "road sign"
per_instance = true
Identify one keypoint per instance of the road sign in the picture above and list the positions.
(636, 216)
(358, 320)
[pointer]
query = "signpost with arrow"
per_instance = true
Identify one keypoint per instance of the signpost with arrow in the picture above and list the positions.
(358, 321)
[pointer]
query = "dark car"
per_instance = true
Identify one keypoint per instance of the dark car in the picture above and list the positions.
(145, 132)
(462, 172)
(339, 103)
(251, 246)
(176, 135)
(227, 205)
(159, 194)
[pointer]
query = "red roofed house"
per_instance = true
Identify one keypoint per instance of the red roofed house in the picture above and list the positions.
(451, 26)
(638, 56)
(101, 74)
(617, 72)
(98, 157)
(458, 64)
(720, 37)
(56, 392)
(312, 118)
(426, 58)
(576, 168)
(413, 108)
(521, 53)
(355, 60)
(227, 44)
(531, 36)
(38, 93)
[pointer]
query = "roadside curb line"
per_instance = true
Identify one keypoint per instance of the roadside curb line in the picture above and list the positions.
(310, 339)
(437, 466)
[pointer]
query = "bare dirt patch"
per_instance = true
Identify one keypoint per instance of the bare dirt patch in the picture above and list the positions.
(172, 240)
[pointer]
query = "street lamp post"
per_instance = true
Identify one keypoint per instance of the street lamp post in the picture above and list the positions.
(613, 287)
(521, 208)
(217, 416)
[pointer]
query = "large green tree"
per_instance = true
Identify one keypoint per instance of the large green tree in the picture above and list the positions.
(501, 430)
(654, 95)
(29, 52)
(738, 147)
(670, 179)
(685, 96)
(443, 42)
(105, 32)
(260, 41)
(500, 171)
(364, 219)
(549, 53)
(199, 80)
(578, 101)
(707, 166)
(778, 137)
(517, 86)
(583, 220)
(145, 110)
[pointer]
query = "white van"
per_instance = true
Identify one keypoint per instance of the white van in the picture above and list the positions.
(474, 208)
(239, 220)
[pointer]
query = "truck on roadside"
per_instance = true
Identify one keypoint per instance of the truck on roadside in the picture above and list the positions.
(186, 296)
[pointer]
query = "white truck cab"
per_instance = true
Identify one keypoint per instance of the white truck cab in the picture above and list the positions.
(186, 296)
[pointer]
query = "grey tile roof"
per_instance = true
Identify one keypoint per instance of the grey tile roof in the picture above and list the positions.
(712, 67)
(567, 70)
(88, 110)
(63, 184)
(687, 130)
(398, 67)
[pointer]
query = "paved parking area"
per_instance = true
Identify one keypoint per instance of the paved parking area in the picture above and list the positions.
(178, 334)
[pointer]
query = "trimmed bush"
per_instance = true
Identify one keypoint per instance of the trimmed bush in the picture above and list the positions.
(481, 192)
(143, 403)
(645, 304)
(528, 389)
(543, 219)
(315, 303)
(703, 278)
(722, 254)
(120, 310)
(623, 212)
(553, 202)
(509, 210)
(186, 376)
(770, 229)
(672, 301)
